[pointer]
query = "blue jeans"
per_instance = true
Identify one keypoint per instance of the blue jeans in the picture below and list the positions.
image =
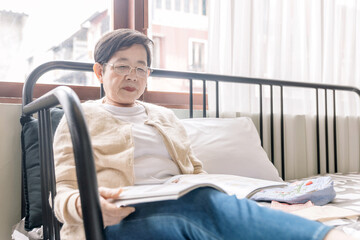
(206, 213)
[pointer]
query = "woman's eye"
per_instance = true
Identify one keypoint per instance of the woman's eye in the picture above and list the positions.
(122, 68)
(141, 70)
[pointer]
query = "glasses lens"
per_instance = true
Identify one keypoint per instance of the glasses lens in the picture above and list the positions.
(141, 72)
(122, 69)
(126, 69)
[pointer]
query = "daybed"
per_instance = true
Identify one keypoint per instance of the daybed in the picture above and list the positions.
(237, 137)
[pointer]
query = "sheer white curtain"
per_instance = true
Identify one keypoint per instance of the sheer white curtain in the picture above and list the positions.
(308, 40)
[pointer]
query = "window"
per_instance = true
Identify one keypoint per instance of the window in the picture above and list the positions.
(180, 39)
(30, 36)
(80, 29)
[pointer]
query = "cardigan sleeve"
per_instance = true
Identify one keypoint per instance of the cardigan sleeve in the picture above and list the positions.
(66, 181)
(197, 164)
(181, 134)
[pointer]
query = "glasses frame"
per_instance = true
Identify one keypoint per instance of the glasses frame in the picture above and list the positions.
(147, 71)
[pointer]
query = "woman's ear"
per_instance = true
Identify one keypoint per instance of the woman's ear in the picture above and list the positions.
(98, 70)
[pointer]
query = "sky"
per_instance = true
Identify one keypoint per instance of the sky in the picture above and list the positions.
(50, 21)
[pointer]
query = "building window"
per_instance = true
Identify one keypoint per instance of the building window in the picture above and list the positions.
(197, 56)
(204, 7)
(196, 6)
(158, 3)
(168, 4)
(186, 6)
(177, 5)
(156, 63)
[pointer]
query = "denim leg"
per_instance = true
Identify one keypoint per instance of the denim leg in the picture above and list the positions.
(206, 213)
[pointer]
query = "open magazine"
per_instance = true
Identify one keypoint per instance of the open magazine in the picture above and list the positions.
(179, 185)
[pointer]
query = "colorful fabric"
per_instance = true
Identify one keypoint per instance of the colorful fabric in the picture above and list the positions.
(319, 191)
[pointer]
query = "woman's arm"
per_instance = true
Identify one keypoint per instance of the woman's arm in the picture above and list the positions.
(110, 212)
(67, 201)
(196, 163)
(198, 166)
(65, 173)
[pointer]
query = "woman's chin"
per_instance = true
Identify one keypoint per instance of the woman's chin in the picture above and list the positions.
(127, 97)
(120, 102)
(126, 103)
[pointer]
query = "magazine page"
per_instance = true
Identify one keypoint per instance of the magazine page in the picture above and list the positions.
(158, 192)
(144, 191)
(179, 185)
(242, 187)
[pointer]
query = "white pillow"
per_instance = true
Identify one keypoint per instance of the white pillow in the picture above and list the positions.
(230, 146)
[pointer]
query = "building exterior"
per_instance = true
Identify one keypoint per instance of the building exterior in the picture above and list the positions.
(11, 36)
(179, 30)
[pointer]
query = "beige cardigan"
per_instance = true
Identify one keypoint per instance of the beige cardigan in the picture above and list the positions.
(113, 148)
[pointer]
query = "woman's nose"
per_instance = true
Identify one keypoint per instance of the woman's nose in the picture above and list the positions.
(132, 75)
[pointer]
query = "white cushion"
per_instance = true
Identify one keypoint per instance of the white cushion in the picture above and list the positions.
(230, 146)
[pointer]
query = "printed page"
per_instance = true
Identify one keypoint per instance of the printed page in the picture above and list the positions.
(175, 187)
(158, 192)
(242, 187)
(142, 191)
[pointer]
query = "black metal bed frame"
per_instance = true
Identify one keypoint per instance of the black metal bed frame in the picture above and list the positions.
(85, 168)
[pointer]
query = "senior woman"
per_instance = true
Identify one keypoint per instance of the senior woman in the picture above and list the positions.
(139, 143)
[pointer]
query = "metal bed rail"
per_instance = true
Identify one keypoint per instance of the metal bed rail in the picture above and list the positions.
(31, 80)
(272, 83)
(85, 167)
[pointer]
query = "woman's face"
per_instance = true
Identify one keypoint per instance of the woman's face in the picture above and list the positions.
(122, 88)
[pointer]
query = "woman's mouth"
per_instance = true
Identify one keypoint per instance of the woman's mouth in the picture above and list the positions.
(129, 89)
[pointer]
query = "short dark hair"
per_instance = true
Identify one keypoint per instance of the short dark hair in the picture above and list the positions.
(119, 39)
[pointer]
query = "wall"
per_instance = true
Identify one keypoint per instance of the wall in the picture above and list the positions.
(10, 168)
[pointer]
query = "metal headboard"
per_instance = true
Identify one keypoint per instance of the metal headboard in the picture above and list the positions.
(272, 83)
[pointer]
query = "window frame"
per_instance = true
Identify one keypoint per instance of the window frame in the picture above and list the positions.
(131, 14)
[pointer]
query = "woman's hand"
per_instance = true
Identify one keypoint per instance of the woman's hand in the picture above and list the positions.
(110, 212)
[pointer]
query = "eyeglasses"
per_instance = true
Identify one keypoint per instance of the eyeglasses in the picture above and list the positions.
(123, 69)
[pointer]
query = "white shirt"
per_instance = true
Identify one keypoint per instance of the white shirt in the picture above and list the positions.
(152, 162)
